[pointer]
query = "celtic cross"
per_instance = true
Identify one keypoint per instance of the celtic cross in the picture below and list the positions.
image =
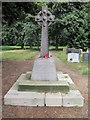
(44, 19)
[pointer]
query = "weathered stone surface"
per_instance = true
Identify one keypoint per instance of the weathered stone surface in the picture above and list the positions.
(44, 70)
(65, 77)
(42, 86)
(22, 98)
(61, 86)
(73, 57)
(53, 99)
(73, 50)
(44, 18)
(15, 97)
(86, 57)
(72, 99)
(88, 50)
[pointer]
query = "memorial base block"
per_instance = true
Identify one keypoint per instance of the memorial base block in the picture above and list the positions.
(42, 97)
(44, 70)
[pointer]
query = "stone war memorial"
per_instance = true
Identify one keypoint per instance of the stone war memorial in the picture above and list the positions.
(44, 86)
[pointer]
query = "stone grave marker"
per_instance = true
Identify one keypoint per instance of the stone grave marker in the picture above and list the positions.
(88, 50)
(86, 57)
(73, 50)
(73, 57)
(44, 67)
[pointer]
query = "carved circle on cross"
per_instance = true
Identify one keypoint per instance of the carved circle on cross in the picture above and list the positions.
(44, 18)
(44, 11)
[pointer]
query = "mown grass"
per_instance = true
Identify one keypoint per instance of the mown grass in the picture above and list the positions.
(9, 47)
(28, 47)
(81, 66)
(18, 54)
(16, 47)
(59, 47)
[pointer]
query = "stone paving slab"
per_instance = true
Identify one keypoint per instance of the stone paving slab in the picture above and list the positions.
(54, 99)
(73, 99)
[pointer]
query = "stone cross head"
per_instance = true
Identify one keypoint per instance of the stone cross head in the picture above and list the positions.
(44, 19)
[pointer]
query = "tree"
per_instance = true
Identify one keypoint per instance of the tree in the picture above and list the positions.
(71, 24)
(69, 28)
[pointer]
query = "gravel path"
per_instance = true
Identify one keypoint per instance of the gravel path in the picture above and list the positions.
(11, 71)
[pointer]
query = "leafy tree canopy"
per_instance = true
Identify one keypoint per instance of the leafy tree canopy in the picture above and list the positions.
(69, 28)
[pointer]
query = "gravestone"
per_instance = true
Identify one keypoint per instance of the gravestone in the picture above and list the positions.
(73, 57)
(44, 67)
(73, 50)
(88, 50)
(86, 57)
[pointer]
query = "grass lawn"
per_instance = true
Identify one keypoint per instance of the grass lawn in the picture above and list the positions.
(18, 54)
(81, 66)
(16, 47)
(59, 47)
(28, 47)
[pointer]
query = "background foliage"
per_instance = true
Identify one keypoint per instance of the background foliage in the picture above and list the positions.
(69, 28)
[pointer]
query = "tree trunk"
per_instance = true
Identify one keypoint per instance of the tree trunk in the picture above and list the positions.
(56, 44)
(30, 44)
(22, 41)
(38, 45)
(22, 46)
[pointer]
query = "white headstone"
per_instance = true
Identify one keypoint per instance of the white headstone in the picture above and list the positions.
(73, 57)
(88, 50)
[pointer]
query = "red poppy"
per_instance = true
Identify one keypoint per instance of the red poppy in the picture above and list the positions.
(46, 56)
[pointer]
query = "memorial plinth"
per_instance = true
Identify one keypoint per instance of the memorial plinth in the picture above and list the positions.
(44, 70)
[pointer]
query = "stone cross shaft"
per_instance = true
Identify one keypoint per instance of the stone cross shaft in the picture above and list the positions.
(44, 19)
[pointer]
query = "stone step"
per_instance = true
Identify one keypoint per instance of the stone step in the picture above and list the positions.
(25, 84)
(39, 86)
(29, 98)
